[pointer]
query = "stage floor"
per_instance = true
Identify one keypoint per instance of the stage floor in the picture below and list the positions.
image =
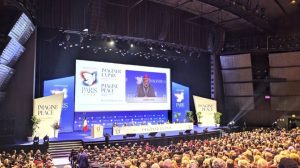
(86, 136)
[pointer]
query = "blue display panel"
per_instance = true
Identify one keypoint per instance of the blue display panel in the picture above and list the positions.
(107, 119)
(66, 86)
(180, 102)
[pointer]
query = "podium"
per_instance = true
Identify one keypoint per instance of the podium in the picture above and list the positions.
(97, 131)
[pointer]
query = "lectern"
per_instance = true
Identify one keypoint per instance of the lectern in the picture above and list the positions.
(97, 131)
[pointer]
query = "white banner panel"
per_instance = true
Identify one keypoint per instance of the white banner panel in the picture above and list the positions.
(152, 128)
(208, 108)
(48, 110)
(101, 86)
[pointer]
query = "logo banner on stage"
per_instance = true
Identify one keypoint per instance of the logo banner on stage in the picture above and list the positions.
(207, 108)
(66, 86)
(48, 110)
(180, 102)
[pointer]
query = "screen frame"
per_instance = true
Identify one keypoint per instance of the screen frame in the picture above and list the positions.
(168, 85)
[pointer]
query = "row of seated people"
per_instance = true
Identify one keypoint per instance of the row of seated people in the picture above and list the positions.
(260, 148)
(22, 159)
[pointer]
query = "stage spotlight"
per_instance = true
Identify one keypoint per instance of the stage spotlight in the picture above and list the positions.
(231, 124)
(46, 139)
(85, 30)
(274, 124)
(131, 45)
(68, 37)
(111, 43)
(150, 48)
(293, 2)
(81, 39)
(36, 140)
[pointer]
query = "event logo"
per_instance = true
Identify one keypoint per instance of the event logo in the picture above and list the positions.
(46, 110)
(57, 91)
(89, 78)
(139, 79)
(179, 97)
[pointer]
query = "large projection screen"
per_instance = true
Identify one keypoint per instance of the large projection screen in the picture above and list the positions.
(102, 87)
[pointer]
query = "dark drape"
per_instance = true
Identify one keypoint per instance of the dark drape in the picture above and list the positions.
(146, 20)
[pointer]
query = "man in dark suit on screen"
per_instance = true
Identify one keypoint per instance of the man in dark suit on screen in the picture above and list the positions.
(145, 89)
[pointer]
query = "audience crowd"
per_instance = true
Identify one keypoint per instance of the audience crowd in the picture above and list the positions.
(25, 160)
(260, 148)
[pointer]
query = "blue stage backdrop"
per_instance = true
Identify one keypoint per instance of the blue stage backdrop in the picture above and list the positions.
(180, 102)
(69, 122)
(107, 119)
(65, 85)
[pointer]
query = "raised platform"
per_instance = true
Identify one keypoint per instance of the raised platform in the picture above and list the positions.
(86, 136)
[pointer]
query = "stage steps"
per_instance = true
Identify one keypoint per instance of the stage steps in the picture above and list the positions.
(63, 148)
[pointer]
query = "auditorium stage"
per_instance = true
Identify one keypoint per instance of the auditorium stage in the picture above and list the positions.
(86, 136)
(85, 139)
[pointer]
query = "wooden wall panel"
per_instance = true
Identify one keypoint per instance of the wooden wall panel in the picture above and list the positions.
(238, 89)
(239, 103)
(237, 75)
(285, 88)
(284, 59)
(286, 103)
(235, 61)
(290, 73)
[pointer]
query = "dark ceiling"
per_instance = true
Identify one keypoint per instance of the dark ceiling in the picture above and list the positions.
(236, 14)
(231, 15)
